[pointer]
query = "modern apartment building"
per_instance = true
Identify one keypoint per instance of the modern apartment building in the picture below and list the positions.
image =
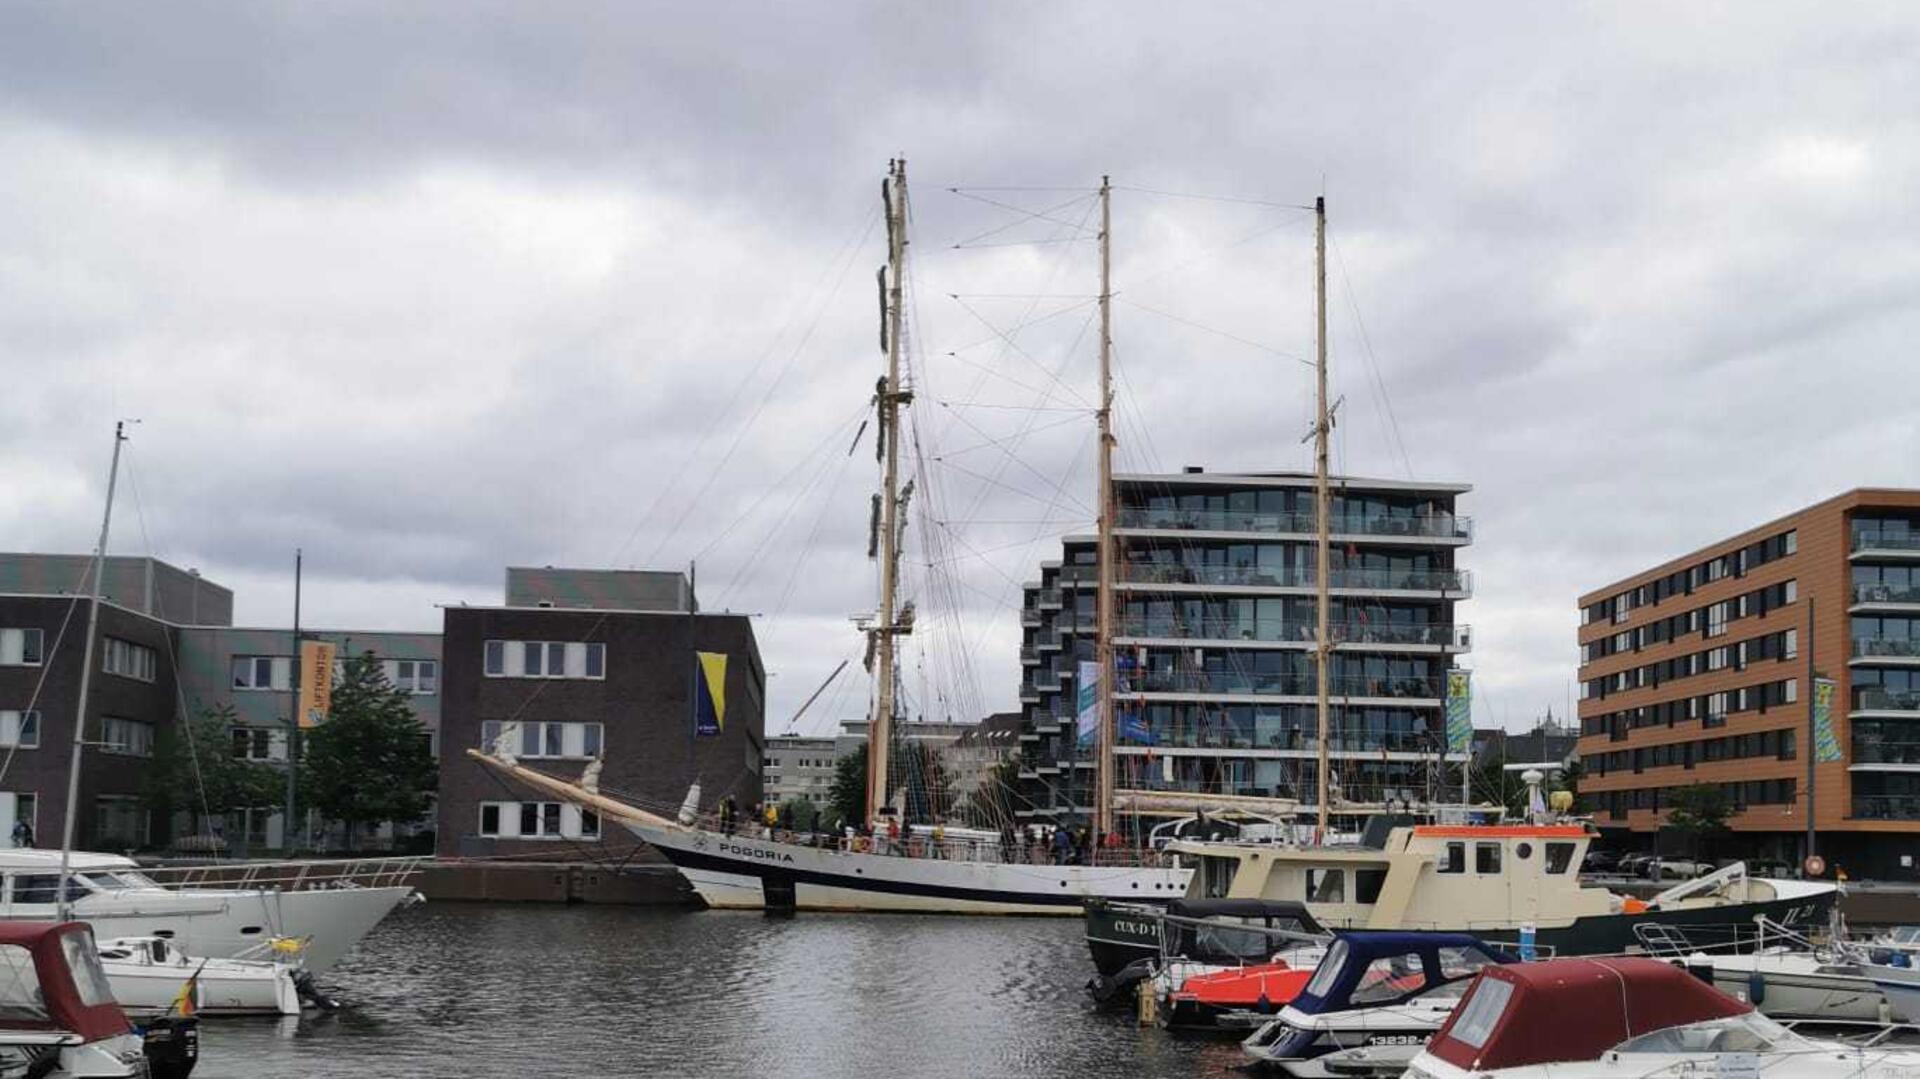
(602, 665)
(1215, 687)
(799, 769)
(1697, 671)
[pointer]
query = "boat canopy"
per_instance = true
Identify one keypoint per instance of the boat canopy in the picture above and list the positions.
(1233, 931)
(1516, 1015)
(51, 979)
(1368, 969)
(1281, 914)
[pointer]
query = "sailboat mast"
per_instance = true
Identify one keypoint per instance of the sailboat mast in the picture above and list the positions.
(1103, 616)
(880, 729)
(86, 678)
(1323, 502)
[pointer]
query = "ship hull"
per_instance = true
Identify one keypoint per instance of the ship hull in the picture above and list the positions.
(747, 873)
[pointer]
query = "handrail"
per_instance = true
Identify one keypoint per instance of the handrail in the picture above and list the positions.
(290, 876)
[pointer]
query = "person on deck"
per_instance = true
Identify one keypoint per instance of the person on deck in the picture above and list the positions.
(1007, 842)
(727, 814)
(1062, 846)
(939, 841)
(893, 835)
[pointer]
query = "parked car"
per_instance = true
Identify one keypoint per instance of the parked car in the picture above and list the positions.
(1600, 861)
(1634, 865)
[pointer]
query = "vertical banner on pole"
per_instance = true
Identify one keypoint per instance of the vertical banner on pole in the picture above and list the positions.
(1826, 746)
(1086, 719)
(316, 681)
(1459, 711)
(710, 694)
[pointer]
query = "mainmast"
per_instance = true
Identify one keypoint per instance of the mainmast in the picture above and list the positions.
(1323, 501)
(893, 193)
(86, 677)
(1103, 623)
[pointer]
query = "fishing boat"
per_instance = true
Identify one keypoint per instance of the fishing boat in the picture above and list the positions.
(1614, 1018)
(147, 973)
(59, 1019)
(1372, 989)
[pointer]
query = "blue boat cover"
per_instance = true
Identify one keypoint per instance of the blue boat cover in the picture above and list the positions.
(1385, 967)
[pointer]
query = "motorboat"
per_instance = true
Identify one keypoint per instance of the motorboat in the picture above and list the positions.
(120, 899)
(147, 974)
(1613, 1018)
(1198, 936)
(59, 1019)
(1783, 974)
(1373, 989)
(1901, 984)
(1899, 940)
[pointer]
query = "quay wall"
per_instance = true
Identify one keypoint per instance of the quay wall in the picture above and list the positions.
(553, 882)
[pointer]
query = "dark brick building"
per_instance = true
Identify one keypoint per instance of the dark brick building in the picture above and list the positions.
(565, 683)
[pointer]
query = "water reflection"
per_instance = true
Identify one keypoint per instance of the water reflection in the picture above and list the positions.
(481, 991)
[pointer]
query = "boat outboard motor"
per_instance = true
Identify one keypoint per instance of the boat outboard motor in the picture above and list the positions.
(1110, 987)
(303, 985)
(171, 1046)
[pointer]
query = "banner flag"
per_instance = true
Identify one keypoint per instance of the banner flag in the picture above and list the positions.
(710, 693)
(316, 681)
(1826, 746)
(1087, 702)
(1459, 711)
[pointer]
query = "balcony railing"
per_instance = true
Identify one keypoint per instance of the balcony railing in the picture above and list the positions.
(1047, 597)
(1886, 541)
(1887, 807)
(1890, 647)
(1029, 617)
(1877, 699)
(1447, 580)
(1262, 629)
(1874, 751)
(1434, 526)
(1283, 685)
(1886, 593)
(1227, 735)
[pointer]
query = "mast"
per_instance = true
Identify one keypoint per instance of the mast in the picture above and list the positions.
(1103, 603)
(893, 193)
(289, 830)
(1323, 499)
(86, 678)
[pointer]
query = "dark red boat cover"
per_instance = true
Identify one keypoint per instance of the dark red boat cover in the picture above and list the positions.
(1575, 1009)
(58, 991)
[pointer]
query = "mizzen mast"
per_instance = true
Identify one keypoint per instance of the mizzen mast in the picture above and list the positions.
(1103, 610)
(1323, 505)
(890, 397)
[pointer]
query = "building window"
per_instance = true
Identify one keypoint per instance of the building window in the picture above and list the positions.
(420, 677)
(263, 672)
(259, 744)
(546, 659)
(19, 730)
(552, 741)
(127, 737)
(122, 822)
(129, 660)
(21, 647)
(490, 818)
(537, 820)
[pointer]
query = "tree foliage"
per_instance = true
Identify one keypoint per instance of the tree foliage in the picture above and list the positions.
(847, 797)
(919, 776)
(370, 761)
(1698, 812)
(194, 770)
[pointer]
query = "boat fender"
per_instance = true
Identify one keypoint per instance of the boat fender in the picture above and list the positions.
(1756, 989)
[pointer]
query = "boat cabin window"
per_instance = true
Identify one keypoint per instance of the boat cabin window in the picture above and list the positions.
(88, 975)
(1367, 884)
(1216, 876)
(1389, 978)
(1326, 886)
(1749, 1033)
(43, 888)
(106, 882)
(1486, 857)
(1455, 859)
(1480, 1011)
(1328, 971)
(1559, 857)
(19, 986)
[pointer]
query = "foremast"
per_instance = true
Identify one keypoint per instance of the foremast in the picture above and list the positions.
(1105, 739)
(887, 624)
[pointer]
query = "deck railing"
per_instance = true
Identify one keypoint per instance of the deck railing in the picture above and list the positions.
(295, 876)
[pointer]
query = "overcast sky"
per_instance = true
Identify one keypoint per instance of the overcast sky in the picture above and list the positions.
(433, 289)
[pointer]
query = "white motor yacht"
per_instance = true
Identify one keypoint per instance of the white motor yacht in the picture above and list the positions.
(147, 973)
(119, 899)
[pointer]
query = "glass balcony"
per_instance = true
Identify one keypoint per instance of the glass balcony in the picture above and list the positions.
(1886, 648)
(1879, 699)
(1886, 593)
(1887, 541)
(1282, 685)
(1226, 734)
(1877, 751)
(1029, 653)
(1029, 617)
(1441, 526)
(1241, 629)
(1444, 580)
(1888, 807)
(1048, 598)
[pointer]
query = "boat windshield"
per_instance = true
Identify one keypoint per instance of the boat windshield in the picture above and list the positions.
(88, 975)
(1750, 1033)
(1905, 934)
(106, 882)
(1329, 970)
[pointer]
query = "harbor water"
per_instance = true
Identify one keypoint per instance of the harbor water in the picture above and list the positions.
(479, 990)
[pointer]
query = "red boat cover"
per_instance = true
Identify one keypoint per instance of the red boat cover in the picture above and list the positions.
(1571, 1009)
(1244, 986)
(41, 990)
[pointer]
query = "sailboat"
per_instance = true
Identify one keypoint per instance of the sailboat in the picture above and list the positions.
(736, 870)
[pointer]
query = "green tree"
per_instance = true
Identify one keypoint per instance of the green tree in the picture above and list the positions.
(803, 813)
(194, 770)
(1698, 813)
(370, 761)
(847, 797)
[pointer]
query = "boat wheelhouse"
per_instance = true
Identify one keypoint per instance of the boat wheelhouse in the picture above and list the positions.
(1497, 881)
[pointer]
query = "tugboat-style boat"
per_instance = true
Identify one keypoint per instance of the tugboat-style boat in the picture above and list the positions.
(1376, 989)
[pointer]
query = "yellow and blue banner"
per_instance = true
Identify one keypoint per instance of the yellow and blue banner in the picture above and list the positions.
(1826, 745)
(1459, 711)
(710, 693)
